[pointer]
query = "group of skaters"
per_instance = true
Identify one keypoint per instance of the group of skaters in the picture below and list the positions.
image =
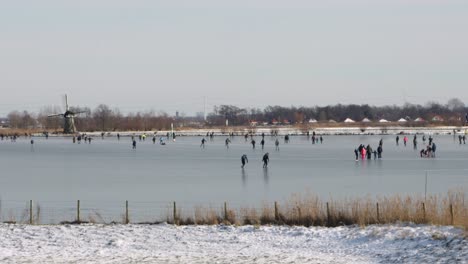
(415, 140)
(427, 152)
(253, 142)
(80, 137)
(366, 152)
(315, 138)
(15, 136)
(265, 160)
(462, 139)
(12, 138)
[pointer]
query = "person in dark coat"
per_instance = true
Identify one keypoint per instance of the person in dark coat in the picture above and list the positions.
(265, 160)
(244, 160)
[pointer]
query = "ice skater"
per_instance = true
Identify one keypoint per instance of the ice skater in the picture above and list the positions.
(244, 160)
(277, 145)
(265, 160)
(202, 145)
(227, 141)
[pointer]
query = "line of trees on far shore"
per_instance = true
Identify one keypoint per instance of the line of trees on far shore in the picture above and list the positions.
(105, 118)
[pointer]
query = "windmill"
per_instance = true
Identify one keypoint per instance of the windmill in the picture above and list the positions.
(68, 119)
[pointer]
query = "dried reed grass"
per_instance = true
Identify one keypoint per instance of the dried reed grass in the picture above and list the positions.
(310, 210)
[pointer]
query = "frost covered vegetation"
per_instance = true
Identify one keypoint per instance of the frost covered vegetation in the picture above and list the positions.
(402, 243)
(309, 210)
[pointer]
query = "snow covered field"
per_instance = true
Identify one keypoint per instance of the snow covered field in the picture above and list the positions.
(226, 244)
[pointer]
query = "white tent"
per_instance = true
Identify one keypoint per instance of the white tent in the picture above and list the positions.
(366, 120)
(349, 120)
(383, 121)
(402, 120)
(331, 121)
(419, 119)
(312, 120)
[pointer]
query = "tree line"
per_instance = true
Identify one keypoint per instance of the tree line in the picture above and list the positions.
(102, 118)
(452, 112)
(105, 118)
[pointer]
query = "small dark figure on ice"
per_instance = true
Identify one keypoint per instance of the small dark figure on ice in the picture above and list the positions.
(265, 160)
(244, 160)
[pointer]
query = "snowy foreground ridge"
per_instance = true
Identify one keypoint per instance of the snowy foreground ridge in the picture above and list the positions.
(226, 244)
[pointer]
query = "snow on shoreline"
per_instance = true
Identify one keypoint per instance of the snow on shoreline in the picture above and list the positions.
(390, 130)
(227, 244)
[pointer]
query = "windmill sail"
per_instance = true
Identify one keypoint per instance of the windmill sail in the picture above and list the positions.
(68, 118)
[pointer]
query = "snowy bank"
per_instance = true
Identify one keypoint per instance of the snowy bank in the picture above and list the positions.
(364, 130)
(227, 244)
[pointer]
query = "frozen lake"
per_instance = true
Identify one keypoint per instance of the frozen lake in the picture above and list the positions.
(56, 172)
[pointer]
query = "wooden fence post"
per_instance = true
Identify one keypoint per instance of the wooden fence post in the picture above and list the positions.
(451, 214)
(328, 215)
(424, 211)
(30, 212)
(276, 212)
(175, 214)
(78, 211)
(126, 212)
(378, 215)
(225, 212)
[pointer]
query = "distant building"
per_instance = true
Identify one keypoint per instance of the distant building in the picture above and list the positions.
(366, 120)
(419, 119)
(383, 121)
(402, 120)
(4, 122)
(349, 120)
(312, 120)
(437, 118)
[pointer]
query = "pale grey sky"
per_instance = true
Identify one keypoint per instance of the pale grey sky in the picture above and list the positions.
(169, 55)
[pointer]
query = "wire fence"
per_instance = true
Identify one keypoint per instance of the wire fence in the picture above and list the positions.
(451, 209)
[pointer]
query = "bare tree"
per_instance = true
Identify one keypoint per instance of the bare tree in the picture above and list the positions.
(455, 104)
(103, 117)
